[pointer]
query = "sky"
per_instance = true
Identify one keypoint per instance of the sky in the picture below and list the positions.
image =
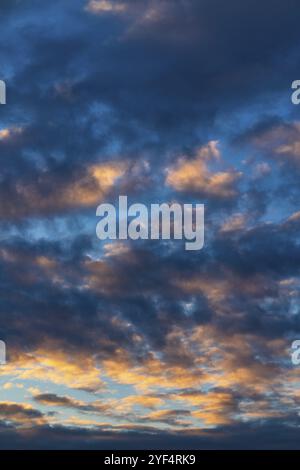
(141, 344)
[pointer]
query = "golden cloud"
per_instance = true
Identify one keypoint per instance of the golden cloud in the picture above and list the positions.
(194, 175)
(50, 365)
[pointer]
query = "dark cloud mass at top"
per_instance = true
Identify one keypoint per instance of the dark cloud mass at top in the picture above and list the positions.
(122, 345)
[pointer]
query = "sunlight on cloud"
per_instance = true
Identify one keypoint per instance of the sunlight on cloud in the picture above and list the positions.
(10, 133)
(76, 371)
(194, 175)
(105, 6)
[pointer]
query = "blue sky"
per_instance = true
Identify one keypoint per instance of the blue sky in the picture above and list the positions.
(143, 345)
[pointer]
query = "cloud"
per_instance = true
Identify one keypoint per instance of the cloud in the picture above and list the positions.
(49, 194)
(195, 176)
(10, 133)
(51, 399)
(105, 6)
(78, 372)
(143, 343)
(171, 417)
(236, 222)
(279, 141)
(20, 414)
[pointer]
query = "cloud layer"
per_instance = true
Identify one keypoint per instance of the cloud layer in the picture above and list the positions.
(141, 344)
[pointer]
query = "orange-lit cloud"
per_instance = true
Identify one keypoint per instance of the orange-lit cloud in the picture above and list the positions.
(49, 194)
(105, 6)
(49, 365)
(194, 175)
